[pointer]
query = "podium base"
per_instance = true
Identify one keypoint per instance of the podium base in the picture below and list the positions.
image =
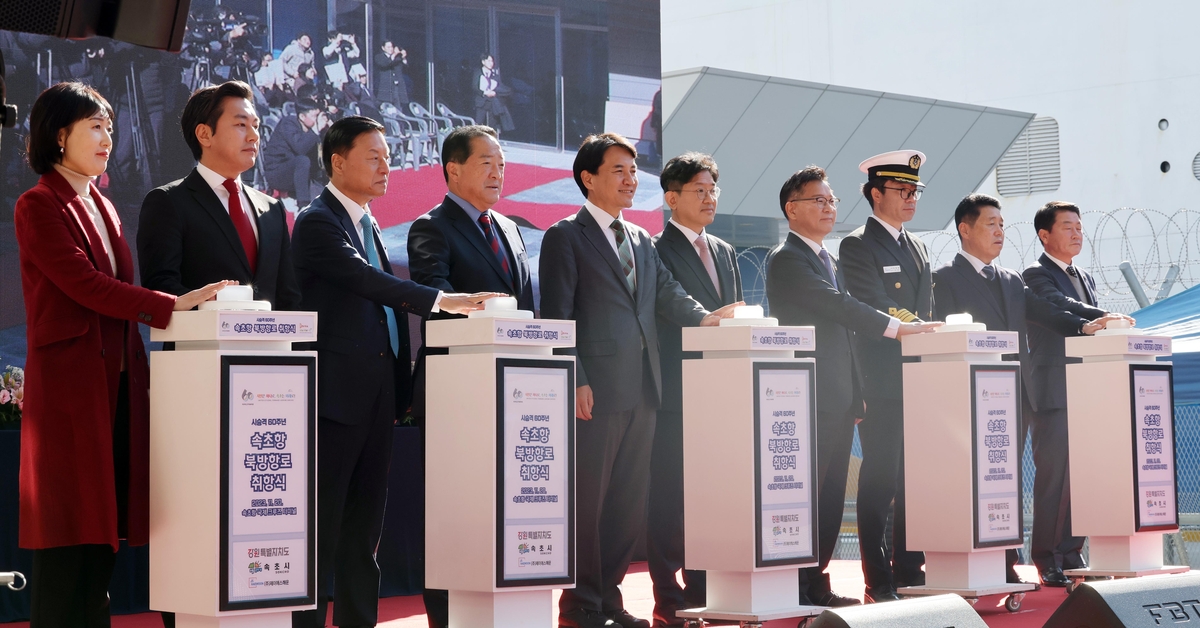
(1139, 552)
(505, 609)
(259, 620)
(694, 616)
(753, 591)
(964, 570)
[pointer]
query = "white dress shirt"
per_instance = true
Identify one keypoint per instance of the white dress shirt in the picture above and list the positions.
(688, 233)
(217, 183)
(604, 219)
(894, 232)
(79, 183)
(977, 263)
(893, 324)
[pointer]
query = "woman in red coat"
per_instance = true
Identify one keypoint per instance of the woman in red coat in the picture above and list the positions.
(85, 433)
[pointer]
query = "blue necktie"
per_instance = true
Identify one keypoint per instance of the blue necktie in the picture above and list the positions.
(373, 259)
(824, 255)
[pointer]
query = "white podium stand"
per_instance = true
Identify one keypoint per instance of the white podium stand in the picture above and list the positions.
(1121, 423)
(749, 468)
(233, 468)
(500, 469)
(962, 461)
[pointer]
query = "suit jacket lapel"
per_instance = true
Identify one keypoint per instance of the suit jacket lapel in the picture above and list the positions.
(512, 241)
(977, 282)
(889, 244)
(268, 232)
(124, 269)
(593, 234)
(1012, 286)
(207, 199)
(726, 269)
(471, 231)
(343, 217)
(82, 218)
(687, 252)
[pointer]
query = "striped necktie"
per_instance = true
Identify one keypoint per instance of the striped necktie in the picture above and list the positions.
(625, 253)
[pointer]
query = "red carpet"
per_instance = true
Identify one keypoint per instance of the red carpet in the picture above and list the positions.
(409, 612)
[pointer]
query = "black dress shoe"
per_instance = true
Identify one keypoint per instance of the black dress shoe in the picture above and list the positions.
(623, 619)
(882, 593)
(580, 618)
(833, 600)
(1053, 577)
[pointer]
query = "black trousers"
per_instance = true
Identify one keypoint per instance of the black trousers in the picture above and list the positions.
(1052, 544)
(293, 176)
(880, 484)
(612, 470)
(664, 524)
(835, 437)
(69, 586)
(351, 497)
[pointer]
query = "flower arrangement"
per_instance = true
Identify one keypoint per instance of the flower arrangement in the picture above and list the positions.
(12, 397)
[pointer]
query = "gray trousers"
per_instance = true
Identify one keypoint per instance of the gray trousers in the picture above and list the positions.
(612, 480)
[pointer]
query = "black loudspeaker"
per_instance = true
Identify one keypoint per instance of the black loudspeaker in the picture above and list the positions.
(1149, 601)
(151, 23)
(940, 611)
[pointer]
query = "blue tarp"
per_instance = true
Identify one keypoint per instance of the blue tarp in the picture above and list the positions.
(1178, 317)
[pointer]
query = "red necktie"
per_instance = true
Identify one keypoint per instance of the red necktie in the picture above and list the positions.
(486, 222)
(241, 222)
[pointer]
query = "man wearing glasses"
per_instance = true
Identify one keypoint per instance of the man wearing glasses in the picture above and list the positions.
(887, 268)
(805, 286)
(706, 267)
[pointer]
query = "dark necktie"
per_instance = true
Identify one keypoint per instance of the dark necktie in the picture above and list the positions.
(485, 221)
(988, 272)
(824, 255)
(241, 223)
(625, 254)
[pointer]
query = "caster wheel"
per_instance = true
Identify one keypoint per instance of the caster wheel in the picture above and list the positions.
(692, 623)
(1071, 586)
(972, 600)
(804, 622)
(1013, 602)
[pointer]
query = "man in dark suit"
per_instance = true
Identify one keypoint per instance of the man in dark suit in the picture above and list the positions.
(364, 380)
(1053, 548)
(887, 268)
(603, 273)
(389, 75)
(706, 267)
(291, 154)
(998, 298)
(208, 226)
(463, 245)
(806, 287)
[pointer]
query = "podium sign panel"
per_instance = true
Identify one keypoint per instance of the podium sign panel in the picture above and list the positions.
(535, 474)
(784, 464)
(268, 486)
(996, 459)
(1155, 489)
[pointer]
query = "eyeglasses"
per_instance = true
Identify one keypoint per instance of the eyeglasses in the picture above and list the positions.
(821, 201)
(906, 193)
(702, 193)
